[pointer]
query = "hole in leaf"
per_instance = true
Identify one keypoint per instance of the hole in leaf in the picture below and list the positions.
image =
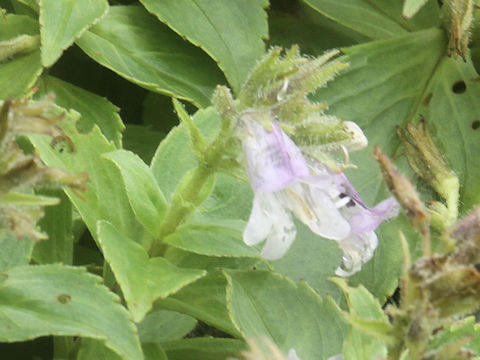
(440, 3)
(475, 124)
(459, 87)
(64, 299)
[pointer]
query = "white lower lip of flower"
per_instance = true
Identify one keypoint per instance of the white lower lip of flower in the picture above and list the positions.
(270, 220)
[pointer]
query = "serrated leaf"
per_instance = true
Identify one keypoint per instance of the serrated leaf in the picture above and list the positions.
(63, 21)
(396, 73)
(300, 24)
(105, 197)
(18, 74)
(141, 279)
(165, 325)
(205, 300)
(211, 241)
(230, 32)
(205, 348)
(93, 109)
(369, 325)
(58, 300)
(135, 45)
(376, 19)
(262, 303)
(57, 224)
(146, 199)
(14, 252)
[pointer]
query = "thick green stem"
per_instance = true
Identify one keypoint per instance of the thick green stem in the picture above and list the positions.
(182, 204)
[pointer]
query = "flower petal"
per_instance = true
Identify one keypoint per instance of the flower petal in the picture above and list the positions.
(369, 219)
(261, 218)
(357, 250)
(273, 160)
(314, 207)
(281, 236)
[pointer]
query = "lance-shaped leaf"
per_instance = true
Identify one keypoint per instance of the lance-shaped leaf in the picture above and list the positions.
(58, 300)
(165, 325)
(93, 109)
(368, 324)
(146, 199)
(141, 279)
(376, 19)
(231, 32)
(205, 300)
(63, 21)
(212, 241)
(105, 197)
(262, 303)
(138, 47)
(57, 223)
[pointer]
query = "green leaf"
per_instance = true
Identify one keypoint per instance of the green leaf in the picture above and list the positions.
(455, 114)
(94, 109)
(362, 344)
(190, 260)
(141, 279)
(231, 32)
(14, 252)
(454, 332)
(205, 300)
(206, 348)
(262, 303)
(63, 21)
(376, 19)
(57, 223)
(58, 300)
(396, 73)
(33, 4)
(136, 46)
(105, 197)
(146, 199)
(411, 7)
(211, 241)
(312, 259)
(94, 349)
(153, 352)
(165, 325)
(18, 74)
(297, 23)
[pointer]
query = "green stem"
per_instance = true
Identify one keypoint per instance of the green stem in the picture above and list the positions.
(182, 204)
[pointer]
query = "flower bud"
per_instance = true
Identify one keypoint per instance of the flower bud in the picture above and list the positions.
(405, 193)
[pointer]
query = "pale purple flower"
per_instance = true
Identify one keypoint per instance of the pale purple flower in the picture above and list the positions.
(358, 247)
(324, 201)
